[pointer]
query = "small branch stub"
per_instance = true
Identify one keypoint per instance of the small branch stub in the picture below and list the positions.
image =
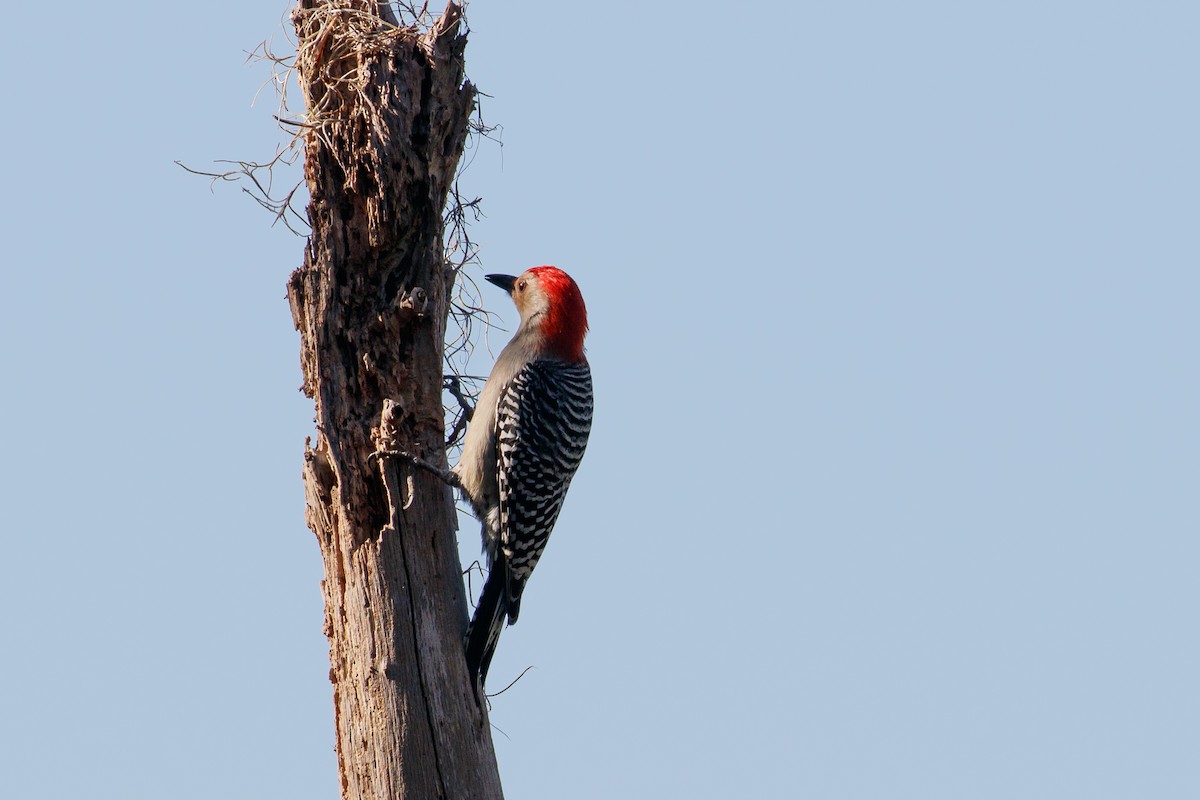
(412, 303)
(397, 476)
(389, 450)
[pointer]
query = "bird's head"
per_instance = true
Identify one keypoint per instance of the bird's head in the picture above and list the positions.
(552, 311)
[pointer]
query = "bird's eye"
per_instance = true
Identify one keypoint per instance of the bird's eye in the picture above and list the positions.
(520, 286)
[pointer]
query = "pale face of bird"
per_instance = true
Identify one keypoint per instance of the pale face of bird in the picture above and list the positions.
(526, 292)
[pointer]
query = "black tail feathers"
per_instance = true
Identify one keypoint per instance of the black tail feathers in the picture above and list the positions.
(483, 634)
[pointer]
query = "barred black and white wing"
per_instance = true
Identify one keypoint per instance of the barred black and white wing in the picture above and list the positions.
(543, 419)
(542, 425)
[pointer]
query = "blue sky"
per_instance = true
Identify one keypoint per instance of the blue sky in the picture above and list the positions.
(892, 487)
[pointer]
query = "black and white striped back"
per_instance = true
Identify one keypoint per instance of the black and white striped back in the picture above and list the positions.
(542, 423)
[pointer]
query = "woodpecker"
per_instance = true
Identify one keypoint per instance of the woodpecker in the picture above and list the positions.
(524, 443)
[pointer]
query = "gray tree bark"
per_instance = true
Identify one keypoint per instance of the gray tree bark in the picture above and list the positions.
(387, 110)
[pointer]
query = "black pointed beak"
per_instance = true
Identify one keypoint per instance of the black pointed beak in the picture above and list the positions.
(505, 282)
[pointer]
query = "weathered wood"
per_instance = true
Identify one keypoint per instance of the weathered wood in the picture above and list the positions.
(388, 108)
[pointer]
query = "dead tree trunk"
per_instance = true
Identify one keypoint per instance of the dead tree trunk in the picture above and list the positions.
(388, 107)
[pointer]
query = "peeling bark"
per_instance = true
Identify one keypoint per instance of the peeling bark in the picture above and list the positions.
(388, 108)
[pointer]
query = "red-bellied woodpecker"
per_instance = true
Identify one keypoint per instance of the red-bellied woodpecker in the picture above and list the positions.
(524, 443)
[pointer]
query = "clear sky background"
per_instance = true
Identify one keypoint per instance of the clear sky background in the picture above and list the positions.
(893, 486)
